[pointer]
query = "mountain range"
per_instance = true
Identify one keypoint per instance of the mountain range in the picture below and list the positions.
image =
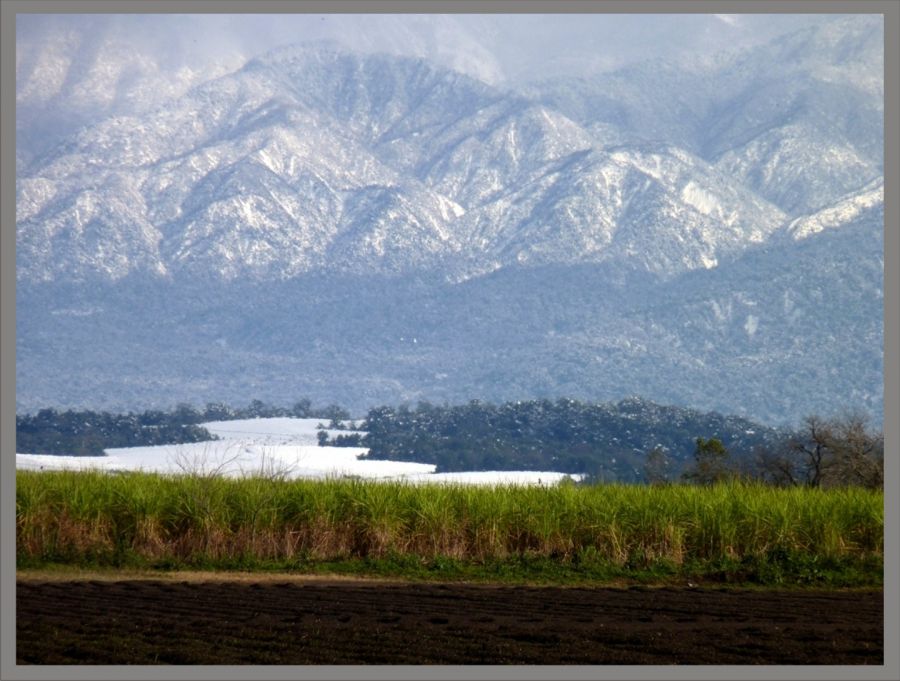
(375, 228)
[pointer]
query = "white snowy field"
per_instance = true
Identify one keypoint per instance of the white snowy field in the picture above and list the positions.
(545, 478)
(272, 431)
(275, 447)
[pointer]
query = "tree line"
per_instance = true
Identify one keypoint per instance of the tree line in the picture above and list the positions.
(837, 452)
(605, 441)
(633, 440)
(88, 433)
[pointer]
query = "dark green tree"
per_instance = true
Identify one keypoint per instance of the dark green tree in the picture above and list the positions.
(711, 463)
(302, 409)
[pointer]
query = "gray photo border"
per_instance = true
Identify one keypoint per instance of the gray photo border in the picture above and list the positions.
(891, 11)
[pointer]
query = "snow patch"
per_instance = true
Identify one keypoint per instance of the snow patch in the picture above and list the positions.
(720, 313)
(276, 447)
(449, 209)
(700, 199)
(839, 214)
(751, 325)
(495, 478)
(708, 261)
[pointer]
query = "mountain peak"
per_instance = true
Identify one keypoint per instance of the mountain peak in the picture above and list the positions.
(268, 172)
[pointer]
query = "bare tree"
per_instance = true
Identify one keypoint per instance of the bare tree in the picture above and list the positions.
(857, 453)
(204, 462)
(657, 466)
(826, 453)
(778, 465)
(270, 467)
(812, 448)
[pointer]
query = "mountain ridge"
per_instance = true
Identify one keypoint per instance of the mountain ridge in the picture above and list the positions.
(252, 138)
(385, 230)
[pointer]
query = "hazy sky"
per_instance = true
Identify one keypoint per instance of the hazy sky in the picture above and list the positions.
(495, 48)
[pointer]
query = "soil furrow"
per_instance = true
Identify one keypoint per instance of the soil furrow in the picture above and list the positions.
(155, 622)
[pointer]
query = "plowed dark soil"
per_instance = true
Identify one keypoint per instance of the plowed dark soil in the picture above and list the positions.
(215, 622)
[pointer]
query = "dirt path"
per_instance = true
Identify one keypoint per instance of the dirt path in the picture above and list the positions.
(141, 621)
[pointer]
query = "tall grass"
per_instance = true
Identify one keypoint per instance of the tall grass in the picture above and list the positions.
(77, 517)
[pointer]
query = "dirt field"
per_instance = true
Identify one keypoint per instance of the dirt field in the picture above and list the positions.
(140, 621)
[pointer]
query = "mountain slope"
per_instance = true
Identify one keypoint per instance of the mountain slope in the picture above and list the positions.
(799, 120)
(371, 229)
(789, 328)
(389, 166)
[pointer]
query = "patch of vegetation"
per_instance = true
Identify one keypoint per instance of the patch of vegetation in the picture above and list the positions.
(731, 532)
(607, 441)
(88, 433)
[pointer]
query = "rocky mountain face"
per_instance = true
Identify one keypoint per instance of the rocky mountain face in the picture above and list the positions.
(374, 228)
(798, 120)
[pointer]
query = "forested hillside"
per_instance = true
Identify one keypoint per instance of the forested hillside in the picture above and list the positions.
(606, 441)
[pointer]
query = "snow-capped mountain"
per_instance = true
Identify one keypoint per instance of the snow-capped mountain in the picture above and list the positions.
(390, 165)
(799, 120)
(319, 213)
(848, 209)
(75, 70)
